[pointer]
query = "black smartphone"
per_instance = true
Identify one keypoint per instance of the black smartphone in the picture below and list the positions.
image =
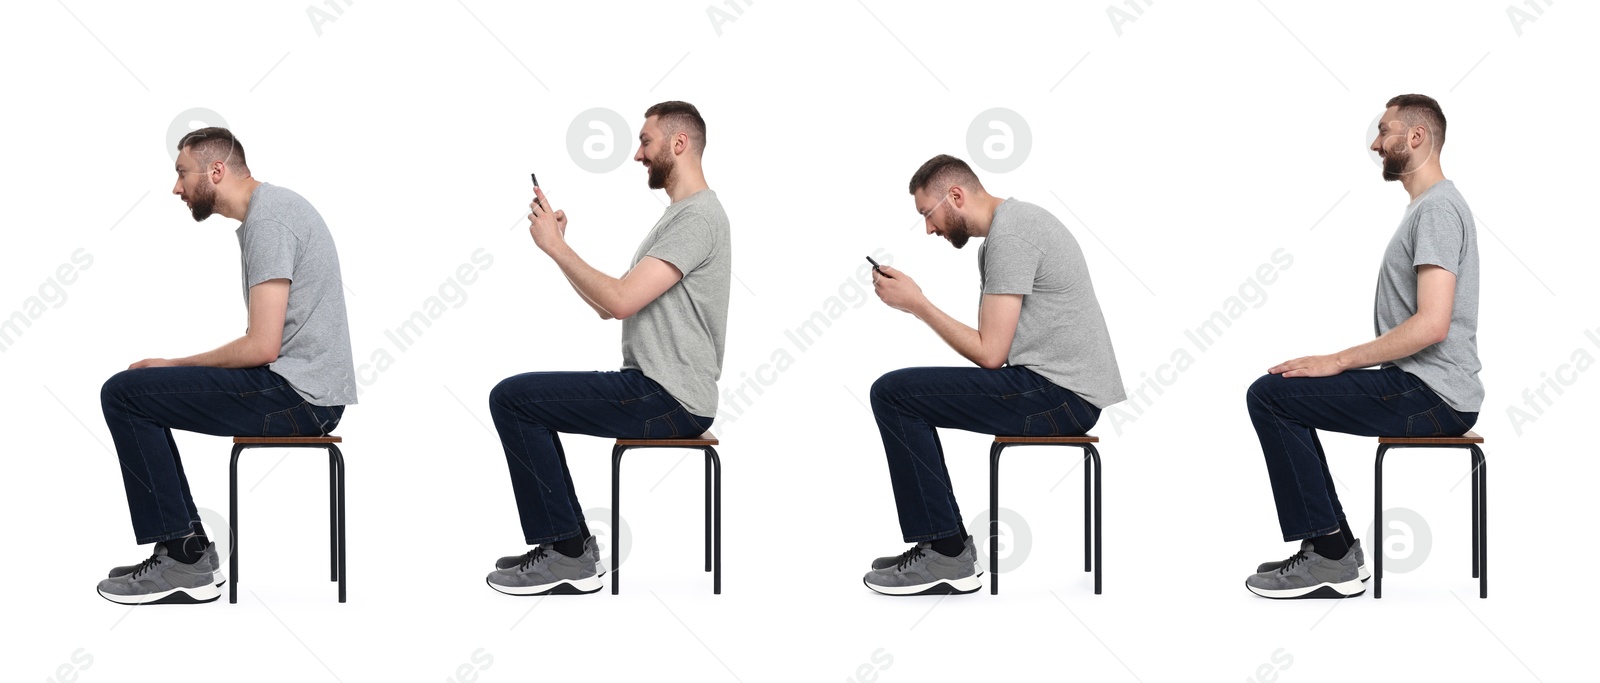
(880, 270)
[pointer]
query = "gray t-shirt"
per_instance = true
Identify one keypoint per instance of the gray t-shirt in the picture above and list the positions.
(1061, 333)
(677, 340)
(1437, 229)
(282, 236)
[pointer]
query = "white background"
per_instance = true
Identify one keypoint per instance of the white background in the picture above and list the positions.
(1182, 147)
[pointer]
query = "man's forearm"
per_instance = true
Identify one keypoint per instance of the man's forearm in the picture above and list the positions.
(603, 313)
(597, 289)
(958, 335)
(1403, 340)
(243, 352)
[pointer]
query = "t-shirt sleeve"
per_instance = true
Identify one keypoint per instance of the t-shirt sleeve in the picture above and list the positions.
(1439, 240)
(686, 243)
(269, 250)
(1010, 266)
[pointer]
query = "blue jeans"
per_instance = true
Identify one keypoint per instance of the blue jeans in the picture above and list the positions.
(1287, 412)
(143, 406)
(529, 409)
(909, 404)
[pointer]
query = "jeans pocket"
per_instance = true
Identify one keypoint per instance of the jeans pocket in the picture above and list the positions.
(300, 420)
(1057, 421)
(664, 426)
(326, 417)
(1440, 420)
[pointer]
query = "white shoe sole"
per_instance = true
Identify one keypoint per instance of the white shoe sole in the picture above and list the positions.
(176, 596)
(562, 587)
(940, 587)
(1344, 589)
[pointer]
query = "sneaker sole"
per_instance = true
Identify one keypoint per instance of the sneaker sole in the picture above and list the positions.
(220, 580)
(960, 586)
(1347, 589)
(562, 587)
(1361, 571)
(175, 596)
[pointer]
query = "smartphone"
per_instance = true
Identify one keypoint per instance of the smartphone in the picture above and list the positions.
(875, 267)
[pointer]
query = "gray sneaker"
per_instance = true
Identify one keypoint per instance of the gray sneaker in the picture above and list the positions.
(1309, 575)
(543, 571)
(162, 580)
(211, 555)
(1361, 562)
(892, 560)
(924, 571)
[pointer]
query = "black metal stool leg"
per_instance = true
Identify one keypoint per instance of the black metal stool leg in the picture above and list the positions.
(1087, 539)
(1483, 522)
(716, 512)
(707, 458)
(1472, 457)
(994, 517)
(1094, 457)
(343, 569)
(1379, 545)
(616, 502)
(233, 523)
(333, 518)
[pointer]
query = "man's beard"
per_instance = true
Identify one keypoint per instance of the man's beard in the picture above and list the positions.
(204, 201)
(1394, 163)
(661, 169)
(957, 233)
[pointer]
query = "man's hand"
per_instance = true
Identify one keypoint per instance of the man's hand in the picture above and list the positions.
(545, 225)
(152, 363)
(897, 290)
(1309, 366)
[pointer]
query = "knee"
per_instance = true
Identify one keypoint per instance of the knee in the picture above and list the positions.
(116, 389)
(502, 396)
(889, 385)
(1263, 390)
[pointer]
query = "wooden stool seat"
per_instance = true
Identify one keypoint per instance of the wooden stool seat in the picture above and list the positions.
(1463, 440)
(706, 439)
(1046, 439)
(287, 439)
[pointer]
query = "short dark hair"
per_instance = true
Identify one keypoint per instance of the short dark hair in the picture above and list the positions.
(678, 117)
(1421, 110)
(941, 172)
(212, 144)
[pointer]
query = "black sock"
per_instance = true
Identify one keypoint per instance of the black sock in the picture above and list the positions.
(188, 549)
(1344, 530)
(571, 547)
(1331, 546)
(950, 547)
(953, 545)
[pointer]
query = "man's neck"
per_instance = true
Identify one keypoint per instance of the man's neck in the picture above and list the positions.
(984, 206)
(238, 205)
(1418, 182)
(685, 183)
